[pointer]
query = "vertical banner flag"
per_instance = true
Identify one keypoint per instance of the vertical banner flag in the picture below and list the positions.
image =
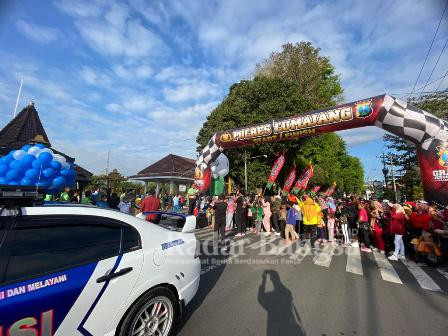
(290, 179)
(316, 189)
(331, 190)
(276, 168)
(302, 181)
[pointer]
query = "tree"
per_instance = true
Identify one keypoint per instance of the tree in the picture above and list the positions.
(404, 154)
(302, 64)
(265, 98)
(119, 186)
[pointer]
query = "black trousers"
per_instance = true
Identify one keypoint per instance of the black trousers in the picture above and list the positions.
(274, 222)
(219, 228)
(299, 228)
(282, 225)
(250, 222)
(364, 234)
(191, 205)
(310, 233)
(407, 238)
(241, 221)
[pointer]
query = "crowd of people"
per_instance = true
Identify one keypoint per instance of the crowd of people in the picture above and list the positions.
(126, 202)
(414, 230)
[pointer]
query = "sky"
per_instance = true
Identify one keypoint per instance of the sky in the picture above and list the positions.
(139, 77)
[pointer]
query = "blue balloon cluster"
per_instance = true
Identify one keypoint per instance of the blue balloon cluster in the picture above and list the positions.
(36, 165)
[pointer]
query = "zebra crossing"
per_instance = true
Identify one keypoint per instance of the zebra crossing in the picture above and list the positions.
(354, 264)
(273, 247)
(388, 272)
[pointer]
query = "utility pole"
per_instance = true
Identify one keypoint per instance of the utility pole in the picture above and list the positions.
(385, 171)
(245, 170)
(18, 97)
(107, 164)
(393, 177)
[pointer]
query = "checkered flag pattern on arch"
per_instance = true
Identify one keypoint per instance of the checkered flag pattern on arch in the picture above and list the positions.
(413, 124)
(210, 152)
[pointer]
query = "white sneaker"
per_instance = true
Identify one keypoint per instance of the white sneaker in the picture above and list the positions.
(382, 252)
(392, 257)
(277, 233)
(267, 234)
(401, 257)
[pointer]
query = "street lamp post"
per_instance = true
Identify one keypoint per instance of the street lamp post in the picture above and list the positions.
(245, 166)
(245, 170)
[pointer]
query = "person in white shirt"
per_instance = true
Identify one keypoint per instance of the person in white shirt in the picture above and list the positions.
(176, 200)
(125, 206)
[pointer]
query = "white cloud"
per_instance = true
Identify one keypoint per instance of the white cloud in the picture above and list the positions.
(37, 33)
(137, 102)
(113, 107)
(192, 116)
(141, 71)
(135, 41)
(117, 16)
(110, 29)
(176, 72)
(191, 91)
(154, 12)
(82, 9)
(94, 77)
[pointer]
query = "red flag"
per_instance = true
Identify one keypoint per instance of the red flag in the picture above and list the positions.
(316, 189)
(331, 190)
(276, 168)
(303, 180)
(290, 179)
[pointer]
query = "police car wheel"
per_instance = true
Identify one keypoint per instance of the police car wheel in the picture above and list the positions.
(153, 314)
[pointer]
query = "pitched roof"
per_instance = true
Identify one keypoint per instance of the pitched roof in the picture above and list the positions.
(170, 165)
(82, 174)
(23, 128)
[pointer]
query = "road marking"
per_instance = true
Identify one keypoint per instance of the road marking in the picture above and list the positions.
(204, 229)
(204, 233)
(421, 276)
(354, 264)
(387, 271)
(262, 242)
(301, 253)
(324, 258)
(443, 272)
(281, 248)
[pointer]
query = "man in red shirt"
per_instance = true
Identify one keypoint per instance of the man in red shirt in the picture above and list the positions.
(151, 203)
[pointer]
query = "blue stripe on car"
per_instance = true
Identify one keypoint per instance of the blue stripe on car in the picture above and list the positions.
(42, 294)
(81, 327)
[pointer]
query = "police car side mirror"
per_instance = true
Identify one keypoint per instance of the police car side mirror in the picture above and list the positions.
(190, 224)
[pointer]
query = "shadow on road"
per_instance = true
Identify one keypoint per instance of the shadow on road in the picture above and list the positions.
(283, 318)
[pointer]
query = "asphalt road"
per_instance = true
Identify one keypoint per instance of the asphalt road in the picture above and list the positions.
(255, 290)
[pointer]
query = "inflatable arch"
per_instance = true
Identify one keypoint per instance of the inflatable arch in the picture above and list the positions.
(427, 132)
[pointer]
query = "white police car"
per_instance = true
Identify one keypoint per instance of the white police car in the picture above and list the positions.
(76, 270)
